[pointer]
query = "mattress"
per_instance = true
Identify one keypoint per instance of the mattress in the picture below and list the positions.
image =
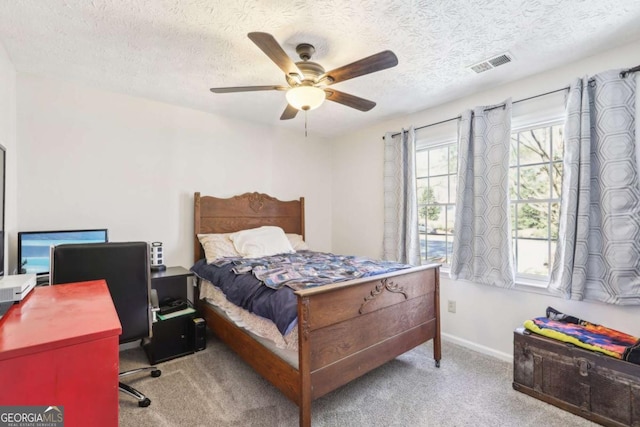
(261, 329)
(251, 322)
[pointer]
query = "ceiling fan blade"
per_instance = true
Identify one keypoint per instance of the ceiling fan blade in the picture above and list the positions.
(274, 51)
(349, 100)
(289, 113)
(246, 88)
(371, 64)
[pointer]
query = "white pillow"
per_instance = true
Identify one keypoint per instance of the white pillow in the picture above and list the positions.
(217, 246)
(262, 241)
(297, 243)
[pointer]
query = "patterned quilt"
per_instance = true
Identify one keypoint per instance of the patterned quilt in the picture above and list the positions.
(305, 269)
(586, 335)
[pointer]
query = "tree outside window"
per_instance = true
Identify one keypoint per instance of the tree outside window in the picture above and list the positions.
(535, 186)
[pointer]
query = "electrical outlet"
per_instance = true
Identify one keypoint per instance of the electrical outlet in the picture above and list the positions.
(451, 306)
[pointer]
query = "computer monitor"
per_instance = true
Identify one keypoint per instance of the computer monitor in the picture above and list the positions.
(34, 247)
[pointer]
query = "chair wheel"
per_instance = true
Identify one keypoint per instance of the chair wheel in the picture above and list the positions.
(144, 403)
(156, 373)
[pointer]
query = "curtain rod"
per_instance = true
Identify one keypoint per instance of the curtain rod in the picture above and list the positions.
(497, 106)
(624, 73)
(526, 99)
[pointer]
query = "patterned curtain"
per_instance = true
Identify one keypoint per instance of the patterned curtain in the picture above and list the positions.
(598, 252)
(482, 249)
(401, 242)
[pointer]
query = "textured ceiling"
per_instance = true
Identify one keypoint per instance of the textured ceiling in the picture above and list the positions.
(174, 51)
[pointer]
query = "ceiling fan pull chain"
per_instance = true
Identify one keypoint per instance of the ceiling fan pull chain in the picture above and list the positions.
(305, 123)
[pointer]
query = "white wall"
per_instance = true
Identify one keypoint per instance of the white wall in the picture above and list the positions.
(90, 159)
(8, 140)
(485, 317)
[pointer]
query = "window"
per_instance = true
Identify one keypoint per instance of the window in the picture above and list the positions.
(535, 184)
(437, 176)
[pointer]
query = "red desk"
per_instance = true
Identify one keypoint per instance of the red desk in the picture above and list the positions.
(60, 347)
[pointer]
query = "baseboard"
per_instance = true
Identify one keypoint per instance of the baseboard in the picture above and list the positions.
(477, 347)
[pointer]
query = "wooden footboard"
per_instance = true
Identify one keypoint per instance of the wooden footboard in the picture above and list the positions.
(345, 330)
(348, 329)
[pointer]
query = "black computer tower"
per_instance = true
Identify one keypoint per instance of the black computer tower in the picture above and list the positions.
(171, 338)
(199, 329)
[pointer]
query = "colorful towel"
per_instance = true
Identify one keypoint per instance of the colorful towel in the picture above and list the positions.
(586, 335)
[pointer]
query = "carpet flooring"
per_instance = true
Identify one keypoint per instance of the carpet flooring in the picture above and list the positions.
(216, 388)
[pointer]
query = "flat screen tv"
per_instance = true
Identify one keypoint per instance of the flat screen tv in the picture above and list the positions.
(34, 247)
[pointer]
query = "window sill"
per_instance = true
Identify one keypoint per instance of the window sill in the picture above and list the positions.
(539, 287)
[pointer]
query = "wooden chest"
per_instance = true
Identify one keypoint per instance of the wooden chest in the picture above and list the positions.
(589, 384)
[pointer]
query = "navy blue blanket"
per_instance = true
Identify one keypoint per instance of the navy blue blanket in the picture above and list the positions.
(244, 290)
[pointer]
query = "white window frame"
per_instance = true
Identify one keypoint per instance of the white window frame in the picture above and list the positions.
(531, 280)
(426, 144)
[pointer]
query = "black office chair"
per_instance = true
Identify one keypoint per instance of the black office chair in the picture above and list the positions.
(125, 267)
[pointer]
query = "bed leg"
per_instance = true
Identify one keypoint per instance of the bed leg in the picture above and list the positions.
(437, 343)
(305, 414)
(304, 368)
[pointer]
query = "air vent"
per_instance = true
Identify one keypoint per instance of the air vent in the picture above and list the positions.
(491, 63)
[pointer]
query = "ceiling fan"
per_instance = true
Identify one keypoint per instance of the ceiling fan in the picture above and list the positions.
(308, 82)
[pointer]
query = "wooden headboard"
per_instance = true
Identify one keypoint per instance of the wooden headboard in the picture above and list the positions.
(248, 210)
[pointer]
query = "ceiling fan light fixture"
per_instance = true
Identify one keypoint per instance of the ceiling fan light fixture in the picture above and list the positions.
(305, 97)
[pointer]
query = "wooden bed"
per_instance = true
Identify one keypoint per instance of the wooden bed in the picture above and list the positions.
(345, 329)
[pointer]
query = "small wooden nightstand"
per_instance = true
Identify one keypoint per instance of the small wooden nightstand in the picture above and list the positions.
(172, 337)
